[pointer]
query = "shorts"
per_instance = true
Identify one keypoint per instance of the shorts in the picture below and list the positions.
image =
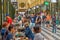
(32, 25)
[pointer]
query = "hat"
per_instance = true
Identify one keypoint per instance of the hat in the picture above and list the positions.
(7, 14)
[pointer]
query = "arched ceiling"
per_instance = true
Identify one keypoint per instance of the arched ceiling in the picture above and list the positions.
(29, 3)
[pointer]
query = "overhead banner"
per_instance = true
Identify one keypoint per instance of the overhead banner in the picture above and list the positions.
(53, 1)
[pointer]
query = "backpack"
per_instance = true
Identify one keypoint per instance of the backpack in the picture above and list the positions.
(44, 17)
(3, 31)
(4, 34)
(38, 18)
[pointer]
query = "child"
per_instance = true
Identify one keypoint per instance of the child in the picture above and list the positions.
(3, 30)
(37, 31)
(28, 31)
(10, 34)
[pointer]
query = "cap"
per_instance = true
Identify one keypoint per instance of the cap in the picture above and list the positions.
(7, 14)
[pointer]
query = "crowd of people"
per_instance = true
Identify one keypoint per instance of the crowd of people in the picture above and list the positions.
(29, 25)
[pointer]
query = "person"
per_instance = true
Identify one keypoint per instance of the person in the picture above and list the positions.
(54, 23)
(37, 31)
(38, 20)
(24, 19)
(8, 19)
(28, 31)
(48, 19)
(43, 17)
(3, 30)
(32, 20)
(18, 16)
(10, 33)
